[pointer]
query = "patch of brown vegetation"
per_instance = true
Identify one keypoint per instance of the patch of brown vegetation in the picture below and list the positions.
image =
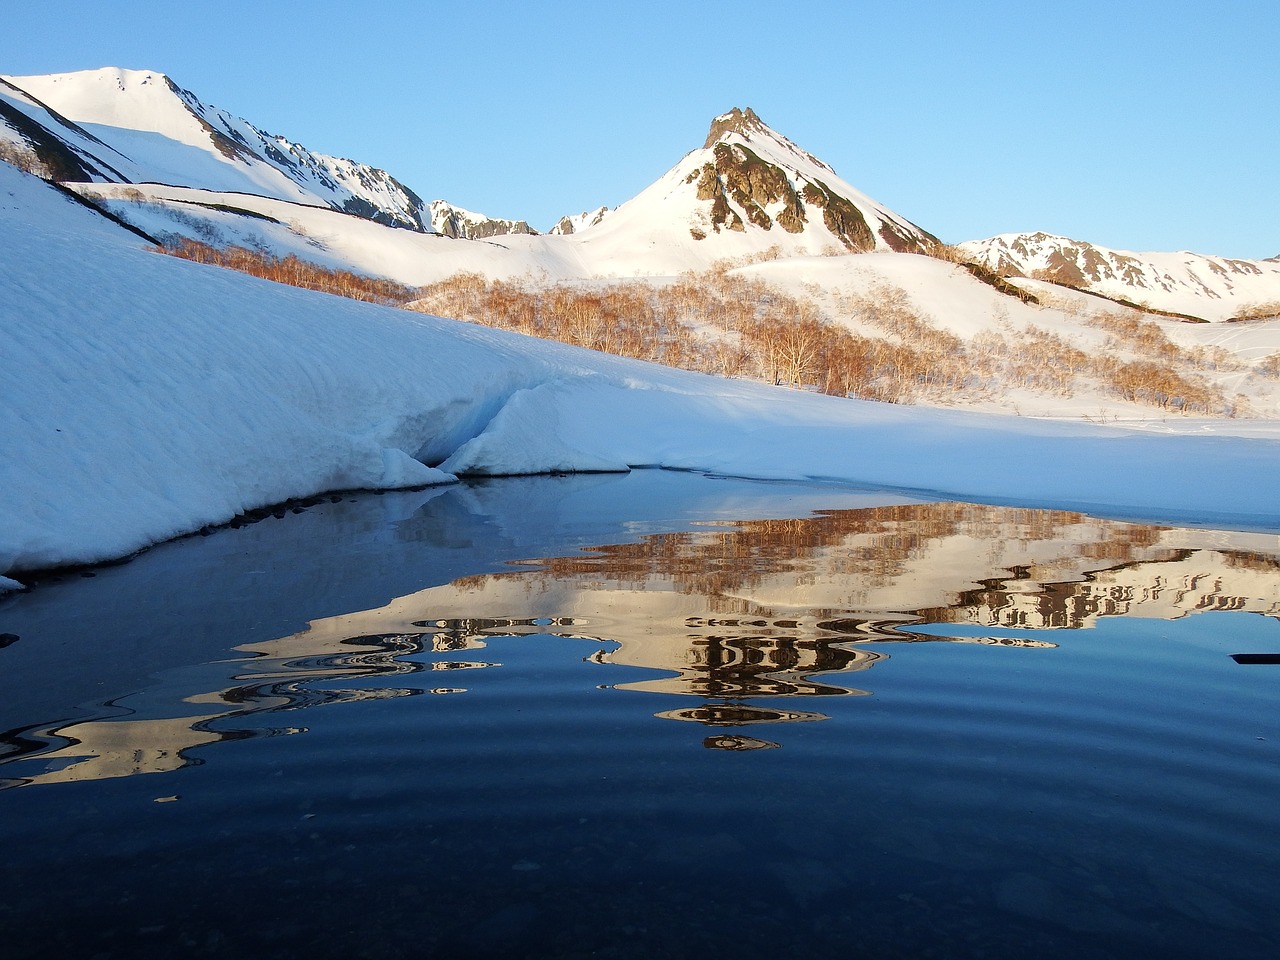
(723, 323)
(295, 272)
(1268, 310)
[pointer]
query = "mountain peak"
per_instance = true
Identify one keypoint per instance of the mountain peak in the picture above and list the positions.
(747, 126)
(742, 122)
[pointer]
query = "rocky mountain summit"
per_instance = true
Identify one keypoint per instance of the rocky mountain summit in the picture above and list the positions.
(756, 176)
(154, 155)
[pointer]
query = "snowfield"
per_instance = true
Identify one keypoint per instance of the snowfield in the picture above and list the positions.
(145, 397)
(139, 125)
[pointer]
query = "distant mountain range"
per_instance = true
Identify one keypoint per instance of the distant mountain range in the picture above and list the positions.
(1207, 287)
(158, 157)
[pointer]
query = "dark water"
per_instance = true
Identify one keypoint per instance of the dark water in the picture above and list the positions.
(648, 716)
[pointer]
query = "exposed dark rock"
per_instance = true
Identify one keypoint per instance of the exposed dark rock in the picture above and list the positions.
(459, 228)
(60, 160)
(224, 144)
(993, 279)
(903, 241)
(841, 217)
(740, 175)
(753, 183)
(743, 122)
(359, 207)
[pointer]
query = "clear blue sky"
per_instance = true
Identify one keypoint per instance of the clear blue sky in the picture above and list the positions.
(1142, 126)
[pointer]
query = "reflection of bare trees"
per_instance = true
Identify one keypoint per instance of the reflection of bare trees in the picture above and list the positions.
(724, 614)
(872, 547)
(763, 607)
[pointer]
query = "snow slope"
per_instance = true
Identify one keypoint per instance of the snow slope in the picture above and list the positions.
(142, 127)
(748, 193)
(327, 237)
(146, 397)
(1212, 288)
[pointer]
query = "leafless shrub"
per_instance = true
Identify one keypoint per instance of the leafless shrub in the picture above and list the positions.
(1214, 358)
(293, 271)
(1142, 381)
(947, 252)
(723, 323)
(20, 155)
(1064, 275)
(1265, 310)
(1142, 336)
(1269, 367)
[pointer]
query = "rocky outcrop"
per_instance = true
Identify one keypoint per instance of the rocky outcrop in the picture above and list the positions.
(579, 222)
(739, 175)
(842, 217)
(754, 177)
(460, 224)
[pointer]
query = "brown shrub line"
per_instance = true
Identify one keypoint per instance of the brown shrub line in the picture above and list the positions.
(1267, 310)
(294, 271)
(721, 323)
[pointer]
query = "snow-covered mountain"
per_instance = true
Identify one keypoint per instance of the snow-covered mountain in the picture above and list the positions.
(158, 157)
(457, 223)
(1207, 287)
(138, 126)
(147, 396)
(750, 175)
(576, 223)
(747, 193)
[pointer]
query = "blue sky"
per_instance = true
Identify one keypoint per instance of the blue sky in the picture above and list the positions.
(1142, 126)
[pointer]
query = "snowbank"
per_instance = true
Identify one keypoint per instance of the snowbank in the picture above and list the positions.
(145, 397)
(746, 430)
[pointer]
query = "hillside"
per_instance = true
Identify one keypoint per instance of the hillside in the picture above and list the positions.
(1205, 287)
(138, 126)
(148, 397)
(748, 193)
(749, 258)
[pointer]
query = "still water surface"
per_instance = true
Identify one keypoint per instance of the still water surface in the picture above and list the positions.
(643, 716)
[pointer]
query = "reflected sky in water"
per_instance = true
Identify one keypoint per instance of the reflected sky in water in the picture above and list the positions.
(522, 655)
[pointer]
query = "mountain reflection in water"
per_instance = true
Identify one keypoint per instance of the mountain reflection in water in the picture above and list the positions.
(724, 612)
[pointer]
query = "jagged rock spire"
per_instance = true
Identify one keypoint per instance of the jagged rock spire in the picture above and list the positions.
(744, 122)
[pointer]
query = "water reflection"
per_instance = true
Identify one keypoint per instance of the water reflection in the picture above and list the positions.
(724, 613)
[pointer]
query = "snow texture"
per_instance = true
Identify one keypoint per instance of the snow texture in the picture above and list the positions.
(140, 127)
(145, 397)
(1208, 287)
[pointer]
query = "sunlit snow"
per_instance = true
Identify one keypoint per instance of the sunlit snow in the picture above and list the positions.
(146, 397)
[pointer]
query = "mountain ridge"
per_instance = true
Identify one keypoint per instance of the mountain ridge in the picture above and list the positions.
(747, 193)
(1212, 287)
(166, 134)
